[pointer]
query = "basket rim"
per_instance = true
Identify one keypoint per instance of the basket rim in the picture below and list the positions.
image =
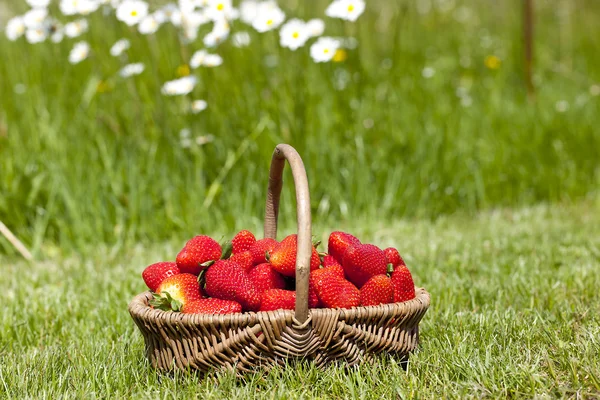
(139, 307)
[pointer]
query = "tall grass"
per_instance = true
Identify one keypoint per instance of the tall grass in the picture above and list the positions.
(87, 157)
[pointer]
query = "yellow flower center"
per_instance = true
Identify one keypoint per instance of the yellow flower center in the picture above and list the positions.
(220, 6)
(325, 51)
(350, 8)
(295, 35)
(492, 62)
(183, 70)
(340, 55)
(270, 22)
(134, 13)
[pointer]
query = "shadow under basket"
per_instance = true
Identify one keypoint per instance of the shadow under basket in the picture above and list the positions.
(245, 342)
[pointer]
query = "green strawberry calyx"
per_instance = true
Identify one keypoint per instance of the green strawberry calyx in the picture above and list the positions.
(165, 302)
(227, 250)
(390, 269)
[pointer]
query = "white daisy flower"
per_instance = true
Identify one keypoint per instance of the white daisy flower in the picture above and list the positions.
(191, 22)
(179, 86)
(119, 47)
(315, 27)
(218, 10)
(131, 70)
(15, 28)
(269, 16)
(76, 28)
(69, 7)
(248, 11)
(85, 7)
(349, 10)
(36, 35)
(240, 39)
(324, 49)
(187, 6)
(293, 34)
(38, 3)
(164, 13)
(80, 52)
(132, 11)
(35, 18)
(218, 35)
(198, 106)
(203, 58)
(148, 25)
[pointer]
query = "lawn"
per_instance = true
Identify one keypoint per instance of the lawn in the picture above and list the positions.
(515, 313)
(421, 135)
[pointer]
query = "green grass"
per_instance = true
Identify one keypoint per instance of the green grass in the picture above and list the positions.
(515, 314)
(79, 166)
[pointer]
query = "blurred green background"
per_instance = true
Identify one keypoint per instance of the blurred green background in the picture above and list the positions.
(427, 116)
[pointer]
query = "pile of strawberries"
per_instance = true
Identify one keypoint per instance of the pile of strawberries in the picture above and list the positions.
(258, 275)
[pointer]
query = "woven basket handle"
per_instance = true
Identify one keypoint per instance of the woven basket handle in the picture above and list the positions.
(286, 152)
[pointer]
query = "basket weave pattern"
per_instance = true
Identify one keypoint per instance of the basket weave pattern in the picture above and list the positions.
(247, 341)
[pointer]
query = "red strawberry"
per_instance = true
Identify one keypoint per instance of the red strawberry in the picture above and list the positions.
(283, 257)
(363, 261)
(176, 291)
(154, 274)
(227, 280)
(276, 299)
(393, 257)
(265, 277)
(260, 249)
(316, 278)
(242, 241)
(212, 306)
(313, 299)
(339, 242)
(336, 292)
(404, 286)
(244, 259)
(197, 251)
(377, 290)
(329, 261)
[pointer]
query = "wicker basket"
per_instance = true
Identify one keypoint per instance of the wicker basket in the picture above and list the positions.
(247, 341)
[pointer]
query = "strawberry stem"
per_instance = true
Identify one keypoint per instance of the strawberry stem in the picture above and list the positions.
(390, 269)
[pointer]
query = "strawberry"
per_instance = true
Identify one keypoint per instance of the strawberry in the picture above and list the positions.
(332, 289)
(336, 292)
(377, 290)
(315, 279)
(260, 249)
(244, 259)
(363, 261)
(227, 280)
(154, 274)
(283, 256)
(198, 251)
(176, 291)
(212, 306)
(276, 299)
(404, 286)
(265, 277)
(393, 257)
(329, 261)
(313, 299)
(339, 242)
(242, 241)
